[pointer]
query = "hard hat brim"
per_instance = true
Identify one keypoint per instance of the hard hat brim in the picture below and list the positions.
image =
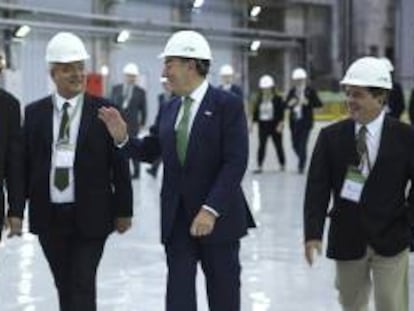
(357, 82)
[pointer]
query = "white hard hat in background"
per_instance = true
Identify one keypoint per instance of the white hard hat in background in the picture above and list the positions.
(187, 44)
(368, 72)
(163, 79)
(299, 74)
(388, 64)
(65, 47)
(226, 70)
(131, 69)
(266, 82)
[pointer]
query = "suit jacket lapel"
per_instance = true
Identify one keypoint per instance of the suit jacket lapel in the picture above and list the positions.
(170, 118)
(85, 121)
(349, 148)
(47, 123)
(204, 112)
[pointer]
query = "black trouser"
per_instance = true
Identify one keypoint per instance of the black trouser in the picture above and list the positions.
(267, 129)
(136, 168)
(154, 167)
(300, 136)
(220, 264)
(73, 260)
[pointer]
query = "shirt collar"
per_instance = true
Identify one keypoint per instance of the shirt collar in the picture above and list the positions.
(375, 126)
(61, 100)
(198, 93)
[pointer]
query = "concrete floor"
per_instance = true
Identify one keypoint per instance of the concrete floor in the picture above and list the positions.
(132, 273)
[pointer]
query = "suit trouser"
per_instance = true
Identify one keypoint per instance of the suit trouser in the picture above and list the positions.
(220, 264)
(73, 260)
(267, 129)
(300, 138)
(388, 276)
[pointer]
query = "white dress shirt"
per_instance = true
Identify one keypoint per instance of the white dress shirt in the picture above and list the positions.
(197, 96)
(68, 194)
(266, 111)
(373, 139)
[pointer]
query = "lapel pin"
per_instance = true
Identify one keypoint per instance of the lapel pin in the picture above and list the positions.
(208, 113)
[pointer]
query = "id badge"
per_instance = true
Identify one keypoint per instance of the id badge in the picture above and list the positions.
(353, 185)
(65, 156)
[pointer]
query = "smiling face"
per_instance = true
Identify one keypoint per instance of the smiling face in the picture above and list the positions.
(177, 72)
(363, 105)
(69, 78)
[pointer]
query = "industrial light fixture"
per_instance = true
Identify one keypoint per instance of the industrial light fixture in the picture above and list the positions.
(255, 11)
(198, 4)
(122, 36)
(21, 31)
(255, 45)
(104, 70)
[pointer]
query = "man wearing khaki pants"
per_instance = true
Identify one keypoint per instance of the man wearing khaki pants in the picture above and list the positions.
(365, 163)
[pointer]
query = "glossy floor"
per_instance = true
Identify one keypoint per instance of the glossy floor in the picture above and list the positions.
(132, 273)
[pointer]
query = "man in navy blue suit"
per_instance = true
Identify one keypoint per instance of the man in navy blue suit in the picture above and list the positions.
(202, 138)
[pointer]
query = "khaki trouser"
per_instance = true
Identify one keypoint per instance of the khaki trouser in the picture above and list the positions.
(387, 275)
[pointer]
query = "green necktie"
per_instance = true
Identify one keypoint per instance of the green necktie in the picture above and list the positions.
(182, 130)
(61, 180)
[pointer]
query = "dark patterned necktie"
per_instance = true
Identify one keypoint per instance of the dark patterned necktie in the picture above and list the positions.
(61, 180)
(361, 146)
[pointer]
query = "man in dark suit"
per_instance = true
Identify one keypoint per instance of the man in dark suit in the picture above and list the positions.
(78, 183)
(163, 98)
(365, 163)
(11, 160)
(202, 138)
(132, 101)
(227, 77)
(395, 104)
(301, 100)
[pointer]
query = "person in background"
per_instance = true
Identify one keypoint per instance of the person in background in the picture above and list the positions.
(411, 108)
(227, 77)
(131, 99)
(77, 182)
(369, 232)
(301, 100)
(268, 113)
(202, 138)
(395, 104)
(163, 98)
(11, 160)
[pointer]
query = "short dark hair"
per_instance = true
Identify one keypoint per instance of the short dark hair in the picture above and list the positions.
(378, 92)
(202, 65)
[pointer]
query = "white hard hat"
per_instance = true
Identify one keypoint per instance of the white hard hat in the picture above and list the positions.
(226, 70)
(266, 82)
(65, 47)
(163, 79)
(299, 74)
(368, 72)
(388, 64)
(131, 69)
(188, 44)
